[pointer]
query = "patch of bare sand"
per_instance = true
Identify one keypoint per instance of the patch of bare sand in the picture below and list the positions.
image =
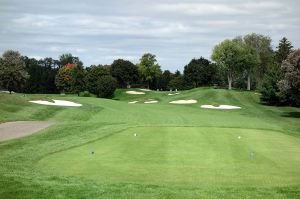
(56, 103)
(11, 130)
(222, 107)
(191, 101)
(135, 93)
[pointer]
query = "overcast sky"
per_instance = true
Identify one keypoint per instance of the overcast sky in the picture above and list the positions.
(99, 31)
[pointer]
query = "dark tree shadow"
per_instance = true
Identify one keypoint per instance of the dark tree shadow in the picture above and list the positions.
(291, 114)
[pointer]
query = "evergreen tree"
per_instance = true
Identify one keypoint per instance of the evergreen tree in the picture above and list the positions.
(283, 50)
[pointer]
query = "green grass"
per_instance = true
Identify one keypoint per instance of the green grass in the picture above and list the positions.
(180, 151)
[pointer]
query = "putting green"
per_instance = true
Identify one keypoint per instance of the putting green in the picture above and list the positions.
(192, 156)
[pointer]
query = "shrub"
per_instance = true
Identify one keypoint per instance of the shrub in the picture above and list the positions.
(105, 86)
(85, 94)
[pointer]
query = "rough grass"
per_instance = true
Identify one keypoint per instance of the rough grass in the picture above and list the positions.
(181, 151)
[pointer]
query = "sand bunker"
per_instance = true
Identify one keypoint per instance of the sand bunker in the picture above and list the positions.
(173, 93)
(191, 101)
(151, 102)
(144, 89)
(56, 103)
(135, 93)
(10, 130)
(224, 107)
(133, 102)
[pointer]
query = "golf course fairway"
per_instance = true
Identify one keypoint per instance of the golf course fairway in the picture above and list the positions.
(110, 148)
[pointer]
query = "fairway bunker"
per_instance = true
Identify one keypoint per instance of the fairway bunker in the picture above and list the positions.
(11, 130)
(133, 102)
(151, 102)
(145, 89)
(190, 101)
(135, 93)
(170, 94)
(222, 107)
(56, 103)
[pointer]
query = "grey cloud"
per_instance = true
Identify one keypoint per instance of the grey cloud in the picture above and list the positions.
(99, 31)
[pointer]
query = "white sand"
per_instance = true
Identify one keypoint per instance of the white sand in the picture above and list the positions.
(56, 103)
(223, 107)
(144, 89)
(133, 102)
(135, 93)
(191, 101)
(6, 92)
(151, 102)
(173, 93)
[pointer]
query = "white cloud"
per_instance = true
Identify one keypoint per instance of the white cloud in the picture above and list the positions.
(200, 8)
(174, 30)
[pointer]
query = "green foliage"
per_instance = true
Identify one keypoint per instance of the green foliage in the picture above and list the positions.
(226, 55)
(289, 85)
(93, 73)
(283, 50)
(149, 69)
(200, 72)
(13, 74)
(179, 83)
(262, 45)
(70, 78)
(85, 94)
(105, 86)
(42, 75)
(248, 61)
(68, 58)
(125, 72)
(269, 89)
(164, 80)
(100, 82)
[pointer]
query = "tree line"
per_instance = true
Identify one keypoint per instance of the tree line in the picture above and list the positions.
(245, 62)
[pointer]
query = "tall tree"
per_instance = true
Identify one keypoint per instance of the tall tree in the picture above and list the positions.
(42, 75)
(248, 59)
(283, 50)
(149, 69)
(70, 78)
(226, 55)
(13, 74)
(199, 72)
(164, 79)
(262, 44)
(125, 72)
(99, 81)
(68, 58)
(289, 86)
(269, 89)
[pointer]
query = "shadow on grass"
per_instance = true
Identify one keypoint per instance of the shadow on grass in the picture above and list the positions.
(291, 114)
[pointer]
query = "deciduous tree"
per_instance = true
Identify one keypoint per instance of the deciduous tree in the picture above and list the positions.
(13, 74)
(199, 72)
(226, 55)
(289, 86)
(99, 81)
(125, 72)
(149, 69)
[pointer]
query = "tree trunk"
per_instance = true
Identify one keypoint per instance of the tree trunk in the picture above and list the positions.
(249, 82)
(229, 76)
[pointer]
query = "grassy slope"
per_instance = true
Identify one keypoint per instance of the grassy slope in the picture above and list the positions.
(99, 118)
